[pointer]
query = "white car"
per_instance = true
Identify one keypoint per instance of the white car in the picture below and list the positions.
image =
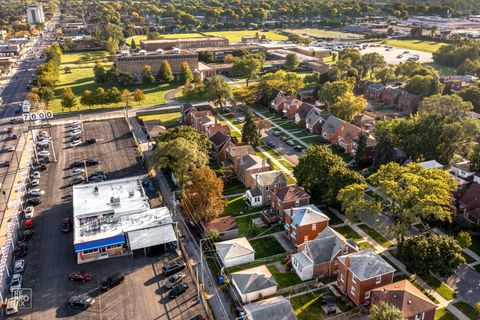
(19, 266)
(75, 143)
(43, 153)
(73, 123)
(75, 133)
(73, 128)
(76, 172)
(43, 143)
(10, 148)
(36, 175)
(36, 192)
(35, 183)
(29, 211)
(12, 305)
(16, 282)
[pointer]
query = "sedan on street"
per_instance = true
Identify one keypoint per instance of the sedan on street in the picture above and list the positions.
(36, 192)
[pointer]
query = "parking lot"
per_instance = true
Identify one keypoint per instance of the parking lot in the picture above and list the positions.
(51, 256)
(395, 55)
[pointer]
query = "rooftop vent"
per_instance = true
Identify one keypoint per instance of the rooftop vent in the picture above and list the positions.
(131, 193)
(95, 189)
(115, 201)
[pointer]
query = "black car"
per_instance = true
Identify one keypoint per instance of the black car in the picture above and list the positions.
(34, 201)
(6, 163)
(170, 269)
(76, 164)
(25, 236)
(97, 173)
(90, 141)
(39, 167)
(81, 301)
(77, 180)
(298, 148)
(177, 290)
(270, 144)
(112, 281)
(66, 225)
(91, 162)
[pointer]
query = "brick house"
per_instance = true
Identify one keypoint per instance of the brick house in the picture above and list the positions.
(185, 110)
(469, 204)
(390, 95)
(260, 194)
(278, 97)
(340, 132)
(302, 113)
(319, 257)
(247, 166)
(304, 223)
(373, 91)
(288, 197)
(361, 272)
(198, 118)
(218, 128)
(315, 120)
(234, 153)
(288, 107)
(407, 298)
(220, 142)
(408, 102)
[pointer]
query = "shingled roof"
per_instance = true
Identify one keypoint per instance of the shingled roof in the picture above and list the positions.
(254, 279)
(276, 308)
(290, 193)
(367, 264)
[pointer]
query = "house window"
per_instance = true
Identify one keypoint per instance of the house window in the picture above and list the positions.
(352, 291)
(305, 238)
(297, 203)
(314, 226)
(345, 250)
(378, 279)
(354, 280)
(341, 277)
(367, 295)
(420, 316)
(266, 188)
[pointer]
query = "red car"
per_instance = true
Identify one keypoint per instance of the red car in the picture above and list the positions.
(80, 276)
(28, 224)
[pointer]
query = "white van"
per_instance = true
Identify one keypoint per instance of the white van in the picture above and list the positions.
(12, 305)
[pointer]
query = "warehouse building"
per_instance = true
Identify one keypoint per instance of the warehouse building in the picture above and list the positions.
(114, 218)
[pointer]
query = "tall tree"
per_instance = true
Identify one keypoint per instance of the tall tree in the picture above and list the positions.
(46, 95)
(291, 61)
(430, 252)
(68, 98)
(218, 91)
(348, 106)
(100, 96)
(203, 194)
(248, 66)
(147, 75)
(339, 177)
(424, 86)
(87, 98)
(114, 95)
(250, 132)
(288, 82)
(471, 94)
(385, 311)
(165, 72)
(112, 45)
(187, 133)
(186, 73)
(475, 159)
(138, 96)
(126, 95)
(330, 92)
(407, 194)
(361, 155)
(99, 72)
(133, 45)
(385, 148)
(372, 61)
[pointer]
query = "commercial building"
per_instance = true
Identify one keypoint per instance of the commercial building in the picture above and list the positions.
(219, 52)
(114, 218)
(35, 14)
(183, 43)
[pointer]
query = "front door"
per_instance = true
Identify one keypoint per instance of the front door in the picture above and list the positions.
(103, 252)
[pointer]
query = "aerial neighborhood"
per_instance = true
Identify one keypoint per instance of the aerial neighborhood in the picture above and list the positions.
(266, 160)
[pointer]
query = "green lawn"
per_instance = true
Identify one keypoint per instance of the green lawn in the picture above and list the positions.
(236, 36)
(166, 118)
(237, 206)
(348, 233)
(166, 36)
(322, 33)
(81, 79)
(467, 310)
(425, 46)
(233, 186)
(381, 240)
(439, 286)
(244, 224)
(444, 314)
(443, 70)
(307, 306)
(365, 245)
(284, 280)
(266, 247)
(468, 258)
(475, 247)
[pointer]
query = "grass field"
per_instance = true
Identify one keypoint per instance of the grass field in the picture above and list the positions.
(444, 314)
(166, 118)
(425, 46)
(167, 36)
(348, 233)
(266, 247)
(236, 36)
(323, 33)
(81, 79)
(439, 286)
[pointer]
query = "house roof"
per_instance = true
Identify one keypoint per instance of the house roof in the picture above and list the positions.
(332, 125)
(186, 107)
(222, 224)
(316, 115)
(278, 308)
(307, 215)
(233, 248)
(251, 161)
(219, 128)
(201, 114)
(325, 247)
(304, 110)
(367, 264)
(219, 139)
(348, 132)
(238, 151)
(471, 198)
(254, 279)
(432, 164)
(376, 86)
(290, 193)
(269, 178)
(406, 297)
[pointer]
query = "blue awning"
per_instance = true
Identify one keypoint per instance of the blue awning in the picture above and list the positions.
(92, 245)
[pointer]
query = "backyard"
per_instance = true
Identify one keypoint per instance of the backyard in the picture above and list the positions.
(266, 247)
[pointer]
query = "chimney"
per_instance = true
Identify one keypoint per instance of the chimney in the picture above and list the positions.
(347, 262)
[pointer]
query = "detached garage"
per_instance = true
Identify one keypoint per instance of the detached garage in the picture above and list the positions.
(235, 252)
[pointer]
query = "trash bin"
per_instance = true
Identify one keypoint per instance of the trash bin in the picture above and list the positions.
(220, 278)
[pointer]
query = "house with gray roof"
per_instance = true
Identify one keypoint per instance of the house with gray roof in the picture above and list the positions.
(304, 223)
(318, 257)
(255, 283)
(250, 164)
(361, 272)
(263, 183)
(315, 120)
(278, 308)
(235, 252)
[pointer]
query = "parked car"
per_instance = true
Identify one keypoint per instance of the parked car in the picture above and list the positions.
(81, 301)
(9, 148)
(276, 133)
(73, 124)
(284, 138)
(20, 251)
(173, 280)
(80, 276)
(33, 201)
(77, 164)
(112, 281)
(25, 236)
(290, 142)
(74, 128)
(75, 133)
(66, 225)
(298, 148)
(39, 167)
(43, 153)
(270, 144)
(178, 290)
(36, 192)
(16, 282)
(170, 269)
(28, 225)
(19, 266)
(36, 175)
(28, 212)
(97, 173)
(91, 141)
(77, 180)
(91, 162)
(98, 178)
(75, 172)
(75, 143)
(6, 163)
(12, 305)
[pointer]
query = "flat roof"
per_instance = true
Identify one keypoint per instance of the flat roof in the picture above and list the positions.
(193, 39)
